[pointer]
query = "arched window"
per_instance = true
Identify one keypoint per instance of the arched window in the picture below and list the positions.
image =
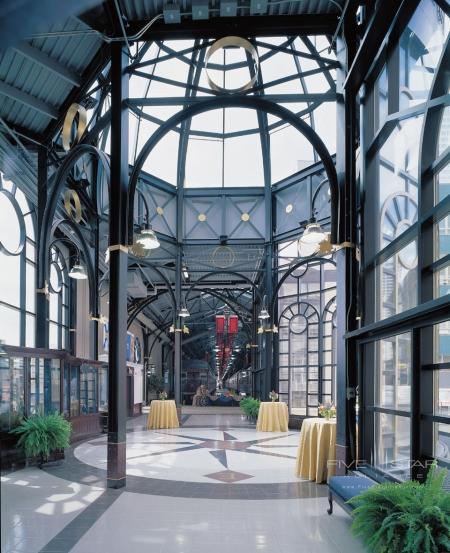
(59, 300)
(17, 262)
(306, 337)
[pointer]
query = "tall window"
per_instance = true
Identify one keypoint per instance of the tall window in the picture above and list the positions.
(306, 336)
(406, 248)
(59, 300)
(17, 262)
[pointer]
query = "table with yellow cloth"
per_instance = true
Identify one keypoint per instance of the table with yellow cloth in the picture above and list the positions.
(317, 446)
(272, 417)
(163, 414)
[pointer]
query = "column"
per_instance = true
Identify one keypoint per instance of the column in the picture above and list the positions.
(42, 306)
(177, 362)
(347, 269)
(118, 266)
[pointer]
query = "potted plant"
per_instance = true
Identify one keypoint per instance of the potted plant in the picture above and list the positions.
(42, 435)
(273, 396)
(409, 517)
(250, 406)
(327, 411)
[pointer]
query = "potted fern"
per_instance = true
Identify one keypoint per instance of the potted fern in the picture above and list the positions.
(407, 517)
(42, 435)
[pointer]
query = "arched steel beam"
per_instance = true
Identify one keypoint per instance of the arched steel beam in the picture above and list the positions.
(149, 300)
(233, 308)
(290, 271)
(139, 308)
(242, 102)
(219, 272)
(50, 209)
(84, 247)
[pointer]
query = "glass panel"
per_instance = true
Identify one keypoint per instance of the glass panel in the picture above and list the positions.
(393, 372)
(443, 238)
(443, 282)
(17, 387)
(398, 282)
(381, 99)
(398, 176)
(297, 400)
(88, 390)
(442, 441)
(36, 386)
(9, 324)
(74, 391)
(10, 278)
(392, 444)
(442, 342)
(30, 331)
(420, 48)
(103, 388)
(442, 184)
(5, 391)
(444, 134)
(52, 376)
(442, 386)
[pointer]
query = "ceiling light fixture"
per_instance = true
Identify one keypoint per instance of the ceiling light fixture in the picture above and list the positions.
(183, 312)
(147, 238)
(264, 314)
(313, 233)
(78, 272)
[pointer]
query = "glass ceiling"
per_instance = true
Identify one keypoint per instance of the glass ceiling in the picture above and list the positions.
(228, 147)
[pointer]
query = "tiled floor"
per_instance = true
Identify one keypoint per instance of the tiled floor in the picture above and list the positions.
(213, 485)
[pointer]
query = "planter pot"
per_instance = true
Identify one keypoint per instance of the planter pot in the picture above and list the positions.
(55, 458)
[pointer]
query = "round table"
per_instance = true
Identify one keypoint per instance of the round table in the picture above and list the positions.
(316, 448)
(163, 414)
(272, 417)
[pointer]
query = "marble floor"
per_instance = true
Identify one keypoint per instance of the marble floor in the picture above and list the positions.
(215, 484)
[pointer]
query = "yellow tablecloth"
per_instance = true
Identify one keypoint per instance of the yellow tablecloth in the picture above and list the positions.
(317, 446)
(272, 417)
(163, 414)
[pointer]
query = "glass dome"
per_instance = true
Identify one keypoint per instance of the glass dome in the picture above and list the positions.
(231, 147)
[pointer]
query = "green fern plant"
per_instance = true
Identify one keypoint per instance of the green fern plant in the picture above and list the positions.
(404, 518)
(41, 434)
(250, 406)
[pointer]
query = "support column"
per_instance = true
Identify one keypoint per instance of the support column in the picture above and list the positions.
(42, 307)
(268, 338)
(177, 362)
(347, 272)
(118, 264)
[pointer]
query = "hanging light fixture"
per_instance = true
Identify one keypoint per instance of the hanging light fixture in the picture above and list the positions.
(185, 272)
(264, 314)
(78, 272)
(183, 312)
(313, 233)
(147, 238)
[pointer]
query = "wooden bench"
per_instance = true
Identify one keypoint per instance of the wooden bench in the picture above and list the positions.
(343, 488)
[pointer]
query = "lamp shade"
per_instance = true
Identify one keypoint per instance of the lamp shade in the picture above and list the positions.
(313, 234)
(264, 314)
(183, 312)
(147, 239)
(78, 272)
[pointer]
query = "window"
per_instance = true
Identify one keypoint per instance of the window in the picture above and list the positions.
(306, 337)
(17, 260)
(59, 300)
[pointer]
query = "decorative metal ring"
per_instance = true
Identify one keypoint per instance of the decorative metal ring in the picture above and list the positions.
(74, 212)
(20, 222)
(67, 127)
(238, 42)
